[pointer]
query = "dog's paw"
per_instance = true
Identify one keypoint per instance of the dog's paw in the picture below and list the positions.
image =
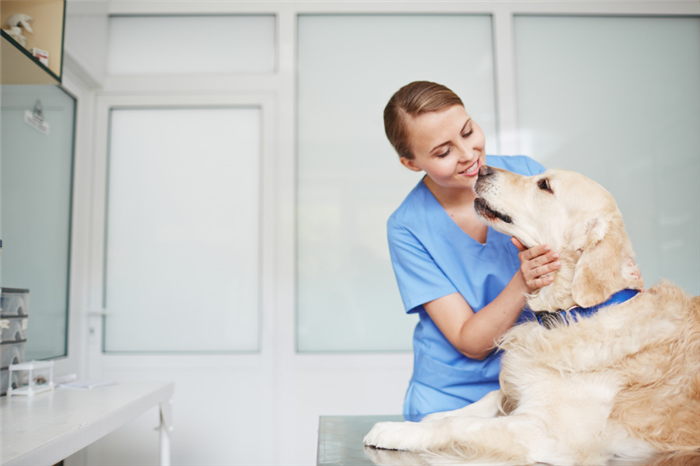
(407, 436)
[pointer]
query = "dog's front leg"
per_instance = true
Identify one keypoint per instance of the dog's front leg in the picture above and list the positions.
(485, 407)
(412, 436)
(506, 438)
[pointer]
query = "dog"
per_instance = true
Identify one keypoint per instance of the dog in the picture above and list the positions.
(584, 383)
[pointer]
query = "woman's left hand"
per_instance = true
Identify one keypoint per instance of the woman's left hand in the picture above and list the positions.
(633, 271)
(536, 264)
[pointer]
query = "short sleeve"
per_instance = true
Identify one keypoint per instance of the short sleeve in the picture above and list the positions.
(419, 278)
(534, 166)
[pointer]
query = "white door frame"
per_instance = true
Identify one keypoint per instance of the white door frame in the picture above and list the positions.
(99, 362)
(104, 104)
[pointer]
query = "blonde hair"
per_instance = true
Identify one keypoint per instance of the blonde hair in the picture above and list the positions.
(412, 100)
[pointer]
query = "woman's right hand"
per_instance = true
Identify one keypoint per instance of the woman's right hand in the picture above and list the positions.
(536, 263)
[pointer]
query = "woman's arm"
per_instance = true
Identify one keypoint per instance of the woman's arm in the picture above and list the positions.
(474, 334)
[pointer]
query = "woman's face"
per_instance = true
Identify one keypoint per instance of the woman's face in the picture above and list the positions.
(448, 146)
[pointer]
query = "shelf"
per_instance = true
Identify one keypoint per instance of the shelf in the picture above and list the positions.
(18, 65)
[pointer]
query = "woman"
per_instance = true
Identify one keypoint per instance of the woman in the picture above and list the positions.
(466, 281)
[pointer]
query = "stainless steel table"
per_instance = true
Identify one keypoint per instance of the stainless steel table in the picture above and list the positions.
(340, 441)
(340, 444)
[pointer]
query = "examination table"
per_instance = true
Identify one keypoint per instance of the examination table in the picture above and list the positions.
(340, 444)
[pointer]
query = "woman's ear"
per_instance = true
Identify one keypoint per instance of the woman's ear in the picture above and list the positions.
(410, 164)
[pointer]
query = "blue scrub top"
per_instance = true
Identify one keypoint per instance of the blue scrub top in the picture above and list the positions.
(433, 257)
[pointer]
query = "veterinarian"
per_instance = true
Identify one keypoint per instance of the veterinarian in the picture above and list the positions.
(466, 281)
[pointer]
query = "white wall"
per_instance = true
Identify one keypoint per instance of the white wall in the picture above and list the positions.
(85, 39)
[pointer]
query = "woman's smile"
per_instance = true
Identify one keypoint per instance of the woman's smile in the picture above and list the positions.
(472, 170)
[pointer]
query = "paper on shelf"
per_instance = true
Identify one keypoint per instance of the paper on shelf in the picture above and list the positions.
(88, 384)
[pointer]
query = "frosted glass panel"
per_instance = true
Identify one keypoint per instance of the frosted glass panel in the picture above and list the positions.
(191, 44)
(37, 177)
(618, 99)
(182, 247)
(349, 177)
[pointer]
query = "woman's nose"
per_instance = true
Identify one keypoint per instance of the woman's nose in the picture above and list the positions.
(466, 152)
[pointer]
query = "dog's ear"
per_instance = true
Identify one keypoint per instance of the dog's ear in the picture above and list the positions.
(588, 234)
(597, 273)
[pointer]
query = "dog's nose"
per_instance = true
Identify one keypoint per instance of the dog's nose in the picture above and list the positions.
(485, 170)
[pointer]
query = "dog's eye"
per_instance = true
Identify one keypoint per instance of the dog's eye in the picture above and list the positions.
(543, 184)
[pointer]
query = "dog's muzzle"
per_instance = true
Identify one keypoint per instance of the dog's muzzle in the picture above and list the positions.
(482, 208)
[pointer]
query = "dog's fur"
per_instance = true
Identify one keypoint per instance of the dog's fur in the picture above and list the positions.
(622, 383)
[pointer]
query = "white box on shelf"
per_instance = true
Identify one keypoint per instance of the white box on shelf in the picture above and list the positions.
(41, 55)
(40, 378)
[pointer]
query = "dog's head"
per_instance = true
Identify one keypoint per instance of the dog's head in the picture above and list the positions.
(576, 217)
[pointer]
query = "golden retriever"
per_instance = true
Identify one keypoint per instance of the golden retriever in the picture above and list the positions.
(576, 389)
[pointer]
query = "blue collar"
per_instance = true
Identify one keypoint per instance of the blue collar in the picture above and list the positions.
(551, 319)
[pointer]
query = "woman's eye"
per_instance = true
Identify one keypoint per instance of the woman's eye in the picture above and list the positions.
(466, 135)
(543, 184)
(444, 154)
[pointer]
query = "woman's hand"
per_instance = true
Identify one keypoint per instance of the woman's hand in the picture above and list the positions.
(633, 272)
(536, 263)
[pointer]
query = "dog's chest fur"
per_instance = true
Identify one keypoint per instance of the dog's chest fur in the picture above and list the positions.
(620, 360)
